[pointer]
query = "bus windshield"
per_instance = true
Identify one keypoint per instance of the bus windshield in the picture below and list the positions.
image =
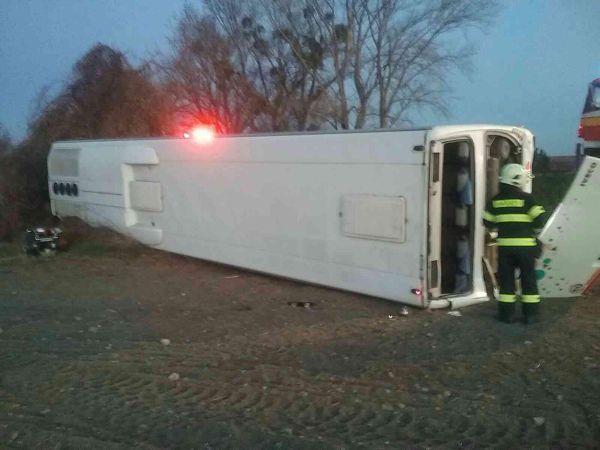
(592, 102)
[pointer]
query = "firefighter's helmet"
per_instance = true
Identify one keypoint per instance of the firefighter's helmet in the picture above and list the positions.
(515, 175)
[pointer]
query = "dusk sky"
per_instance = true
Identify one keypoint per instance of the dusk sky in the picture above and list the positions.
(532, 67)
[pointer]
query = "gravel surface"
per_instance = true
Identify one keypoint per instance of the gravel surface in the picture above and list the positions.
(113, 346)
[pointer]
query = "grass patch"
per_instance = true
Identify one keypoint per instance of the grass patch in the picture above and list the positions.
(550, 188)
(102, 242)
(9, 250)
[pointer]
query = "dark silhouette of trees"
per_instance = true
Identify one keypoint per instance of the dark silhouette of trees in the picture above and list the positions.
(202, 81)
(104, 98)
(8, 213)
(541, 162)
(229, 70)
(306, 64)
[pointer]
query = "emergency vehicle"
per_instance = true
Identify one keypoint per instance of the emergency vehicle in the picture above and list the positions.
(589, 127)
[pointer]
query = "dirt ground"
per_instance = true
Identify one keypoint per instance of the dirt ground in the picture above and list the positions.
(82, 364)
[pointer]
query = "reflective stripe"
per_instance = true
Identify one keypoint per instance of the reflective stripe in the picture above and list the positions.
(489, 217)
(516, 242)
(530, 298)
(513, 218)
(512, 203)
(536, 211)
(507, 298)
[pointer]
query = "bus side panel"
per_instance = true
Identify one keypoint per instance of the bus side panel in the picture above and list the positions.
(295, 207)
(571, 237)
(340, 210)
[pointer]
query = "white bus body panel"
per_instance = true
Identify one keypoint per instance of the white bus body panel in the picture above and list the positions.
(343, 210)
(346, 210)
(571, 237)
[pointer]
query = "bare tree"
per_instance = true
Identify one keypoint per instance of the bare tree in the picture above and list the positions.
(299, 64)
(8, 208)
(104, 97)
(392, 56)
(246, 69)
(206, 83)
(413, 46)
(299, 56)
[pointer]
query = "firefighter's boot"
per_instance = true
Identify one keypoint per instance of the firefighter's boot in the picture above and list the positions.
(506, 312)
(531, 313)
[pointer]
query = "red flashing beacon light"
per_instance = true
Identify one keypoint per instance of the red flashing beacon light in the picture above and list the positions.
(201, 134)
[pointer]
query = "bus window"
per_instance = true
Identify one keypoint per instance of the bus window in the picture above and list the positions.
(592, 102)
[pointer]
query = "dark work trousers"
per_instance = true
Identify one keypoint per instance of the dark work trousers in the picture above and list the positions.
(523, 258)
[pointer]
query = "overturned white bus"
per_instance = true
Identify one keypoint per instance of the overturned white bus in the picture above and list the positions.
(393, 214)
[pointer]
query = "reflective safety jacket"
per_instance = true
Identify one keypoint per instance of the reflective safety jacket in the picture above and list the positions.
(515, 215)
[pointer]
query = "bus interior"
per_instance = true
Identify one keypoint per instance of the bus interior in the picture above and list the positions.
(458, 219)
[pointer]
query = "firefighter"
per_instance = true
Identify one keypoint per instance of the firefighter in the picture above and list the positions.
(518, 219)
